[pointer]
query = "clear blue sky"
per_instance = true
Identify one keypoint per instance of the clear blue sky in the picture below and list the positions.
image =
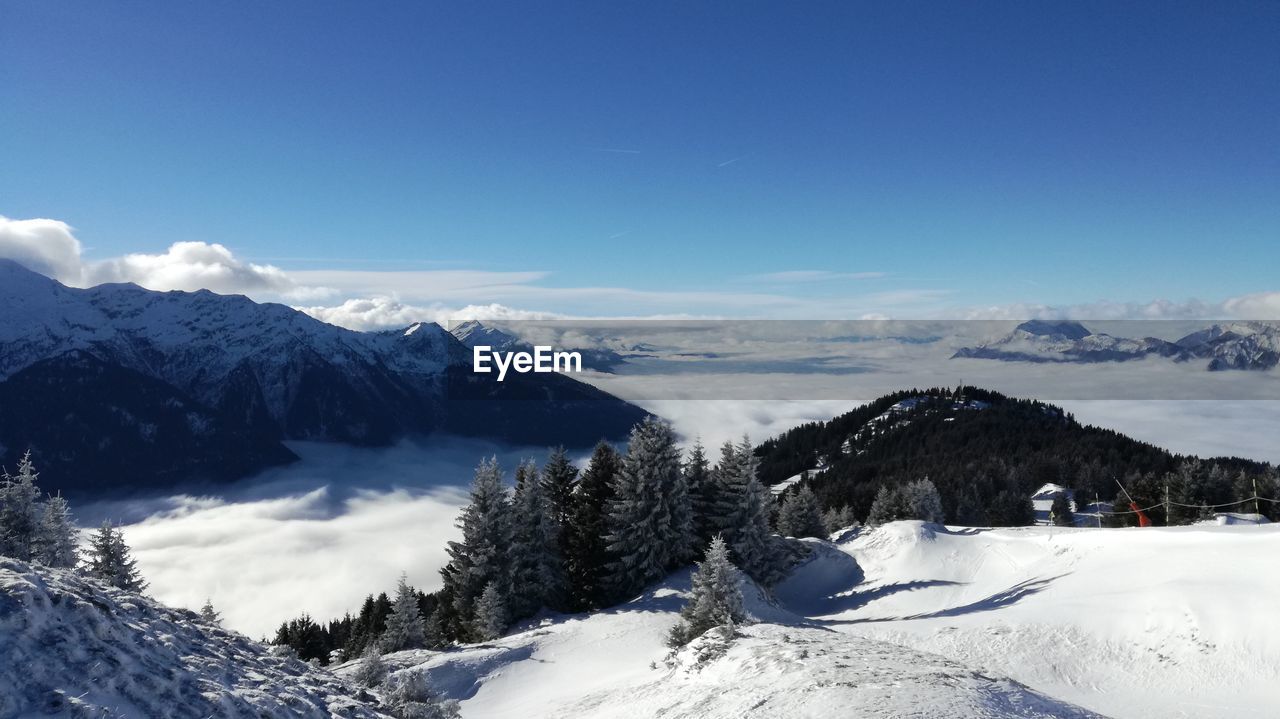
(1075, 151)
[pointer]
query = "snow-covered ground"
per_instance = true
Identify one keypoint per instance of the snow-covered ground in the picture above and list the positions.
(70, 647)
(916, 620)
(1155, 622)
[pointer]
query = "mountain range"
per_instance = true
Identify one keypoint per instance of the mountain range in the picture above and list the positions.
(1230, 346)
(119, 387)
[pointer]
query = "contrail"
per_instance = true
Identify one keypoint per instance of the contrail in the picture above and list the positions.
(615, 149)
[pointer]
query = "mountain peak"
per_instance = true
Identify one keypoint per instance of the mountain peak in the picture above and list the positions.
(1055, 328)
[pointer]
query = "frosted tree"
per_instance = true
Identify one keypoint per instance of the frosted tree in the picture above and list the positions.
(108, 560)
(889, 506)
(56, 541)
(923, 501)
(697, 477)
(405, 628)
(480, 559)
(408, 696)
(799, 515)
(715, 600)
(209, 614)
(20, 511)
(744, 506)
(587, 556)
(537, 570)
(649, 516)
(491, 614)
(558, 476)
(836, 519)
(372, 670)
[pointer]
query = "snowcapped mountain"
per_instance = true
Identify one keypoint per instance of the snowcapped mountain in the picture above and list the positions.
(244, 371)
(474, 334)
(1237, 345)
(75, 648)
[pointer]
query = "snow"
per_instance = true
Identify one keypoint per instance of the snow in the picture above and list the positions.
(73, 647)
(918, 620)
(1154, 622)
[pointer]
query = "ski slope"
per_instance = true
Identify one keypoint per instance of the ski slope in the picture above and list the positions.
(1155, 622)
(611, 664)
(918, 620)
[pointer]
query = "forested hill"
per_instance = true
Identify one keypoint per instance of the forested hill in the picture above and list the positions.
(986, 453)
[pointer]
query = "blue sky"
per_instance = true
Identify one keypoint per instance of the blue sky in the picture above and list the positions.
(993, 153)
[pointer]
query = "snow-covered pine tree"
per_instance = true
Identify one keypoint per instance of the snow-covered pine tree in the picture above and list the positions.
(537, 570)
(409, 696)
(721, 491)
(587, 558)
(20, 511)
(109, 560)
(743, 514)
(209, 614)
(491, 614)
(716, 599)
(697, 477)
(923, 501)
(435, 635)
(799, 515)
(1060, 511)
(405, 628)
(372, 670)
(836, 519)
(888, 506)
(558, 476)
(649, 516)
(480, 559)
(56, 541)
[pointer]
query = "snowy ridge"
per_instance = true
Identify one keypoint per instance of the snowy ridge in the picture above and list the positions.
(73, 647)
(1235, 345)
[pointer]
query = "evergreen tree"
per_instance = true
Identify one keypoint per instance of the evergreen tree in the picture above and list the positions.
(491, 614)
(209, 614)
(558, 476)
(799, 515)
(697, 477)
(404, 626)
(109, 560)
(1060, 511)
(409, 696)
(744, 507)
(56, 542)
(649, 516)
(435, 635)
(716, 599)
(923, 502)
(587, 557)
(480, 559)
(836, 519)
(20, 511)
(537, 570)
(372, 670)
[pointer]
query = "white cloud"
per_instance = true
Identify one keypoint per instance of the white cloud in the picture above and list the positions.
(44, 246)
(193, 266)
(381, 312)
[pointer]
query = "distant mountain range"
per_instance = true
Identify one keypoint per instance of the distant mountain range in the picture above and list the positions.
(119, 387)
(1231, 346)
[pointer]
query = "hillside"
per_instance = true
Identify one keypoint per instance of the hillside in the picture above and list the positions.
(918, 620)
(610, 664)
(987, 453)
(72, 647)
